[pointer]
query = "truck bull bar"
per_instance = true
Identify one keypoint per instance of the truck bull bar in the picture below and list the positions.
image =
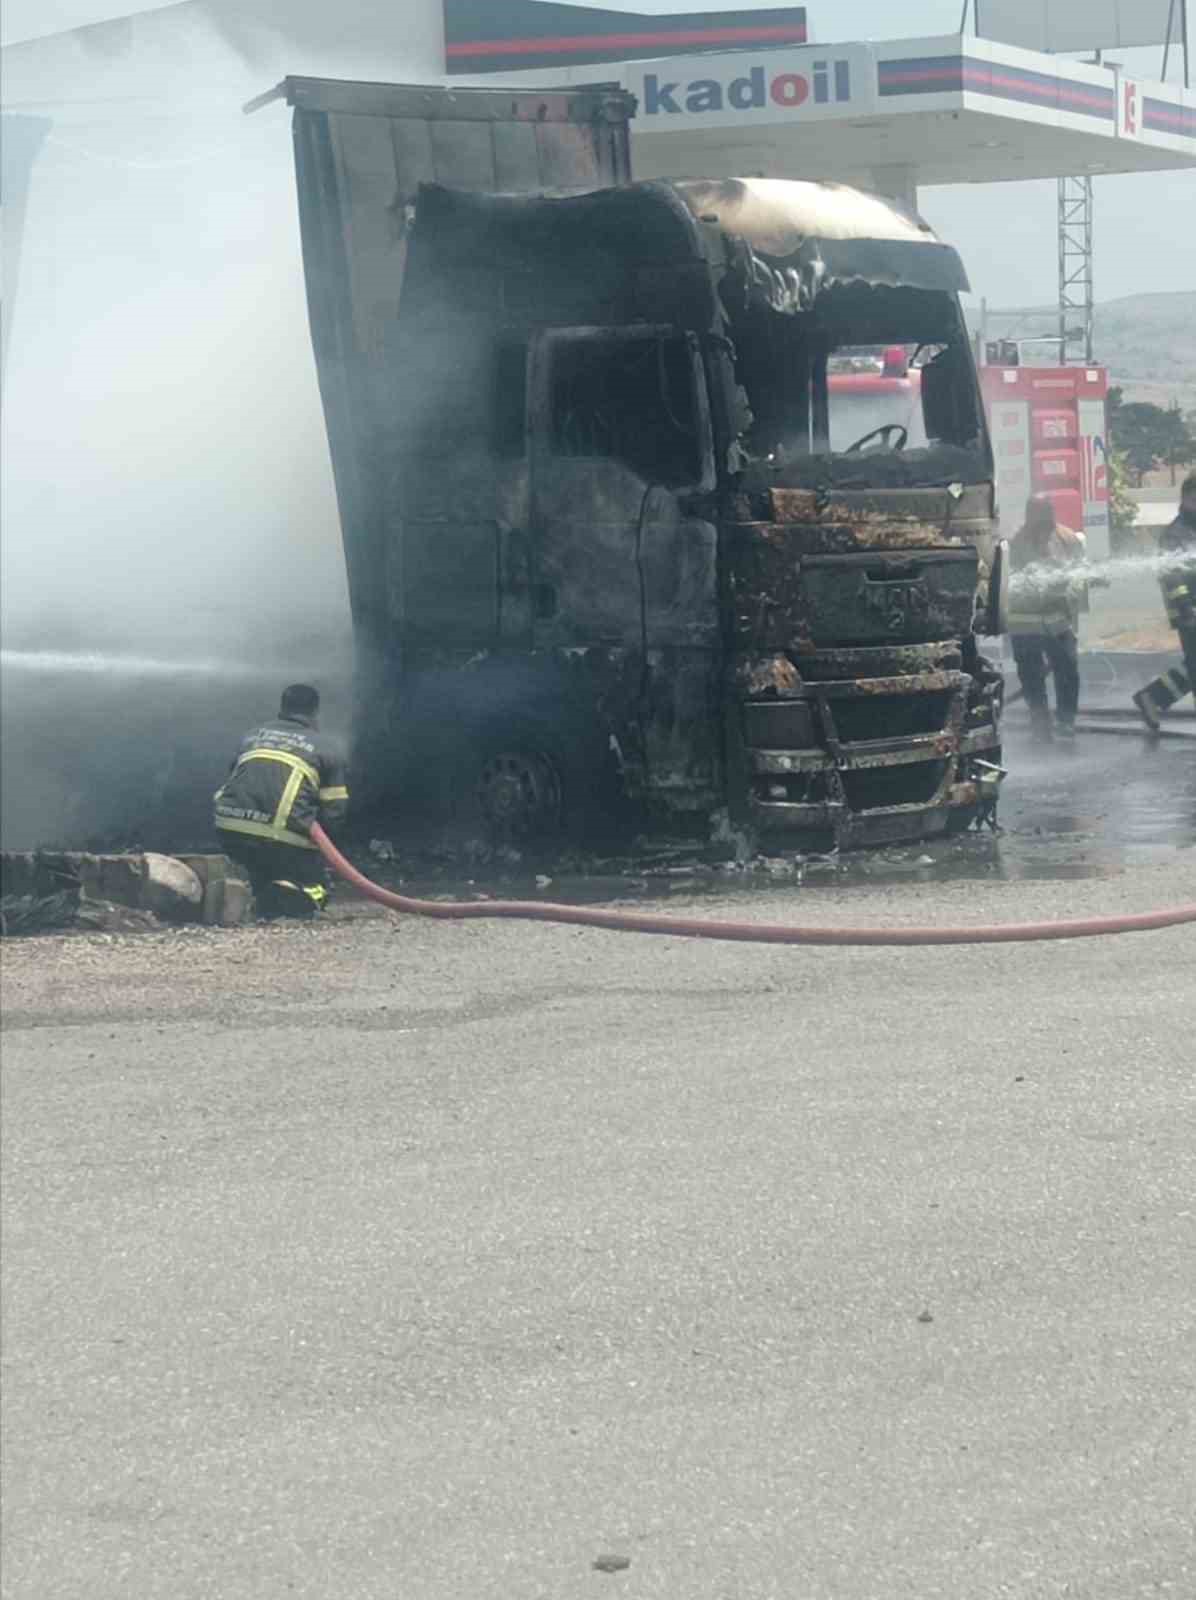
(872, 759)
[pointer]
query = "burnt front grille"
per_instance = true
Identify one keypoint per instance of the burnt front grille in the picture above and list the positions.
(826, 666)
(891, 716)
(778, 725)
(797, 788)
(878, 788)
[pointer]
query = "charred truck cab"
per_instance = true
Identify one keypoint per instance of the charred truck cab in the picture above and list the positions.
(623, 556)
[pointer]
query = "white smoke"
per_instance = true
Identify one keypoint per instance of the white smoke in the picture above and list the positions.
(167, 489)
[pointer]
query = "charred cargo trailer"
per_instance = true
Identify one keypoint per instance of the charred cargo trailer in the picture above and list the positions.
(362, 150)
(603, 546)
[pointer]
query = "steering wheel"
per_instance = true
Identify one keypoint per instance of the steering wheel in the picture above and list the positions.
(883, 435)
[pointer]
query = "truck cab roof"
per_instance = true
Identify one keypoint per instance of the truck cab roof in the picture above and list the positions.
(802, 236)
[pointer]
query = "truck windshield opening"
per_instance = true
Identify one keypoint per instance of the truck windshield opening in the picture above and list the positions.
(867, 375)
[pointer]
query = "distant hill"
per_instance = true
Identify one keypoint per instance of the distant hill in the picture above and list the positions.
(1148, 342)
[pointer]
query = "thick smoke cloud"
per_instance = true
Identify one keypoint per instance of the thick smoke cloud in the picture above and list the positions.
(167, 488)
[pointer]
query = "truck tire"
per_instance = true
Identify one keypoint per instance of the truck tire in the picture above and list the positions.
(536, 781)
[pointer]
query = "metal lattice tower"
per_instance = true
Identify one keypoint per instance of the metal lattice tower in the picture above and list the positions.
(1076, 286)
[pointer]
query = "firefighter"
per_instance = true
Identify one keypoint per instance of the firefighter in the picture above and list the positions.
(1044, 613)
(1177, 547)
(286, 776)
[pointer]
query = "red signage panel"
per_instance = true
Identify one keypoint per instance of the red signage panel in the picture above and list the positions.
(506, 35)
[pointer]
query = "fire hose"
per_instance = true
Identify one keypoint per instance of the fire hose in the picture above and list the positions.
(744, 932)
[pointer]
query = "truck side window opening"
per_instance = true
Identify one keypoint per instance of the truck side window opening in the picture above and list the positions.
(950, 402)
(631, 400)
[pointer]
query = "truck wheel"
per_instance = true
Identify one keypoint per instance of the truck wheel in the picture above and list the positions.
(540, 784)
(519, 794)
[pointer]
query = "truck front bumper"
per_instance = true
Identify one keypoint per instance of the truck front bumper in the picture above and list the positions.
(871, 759)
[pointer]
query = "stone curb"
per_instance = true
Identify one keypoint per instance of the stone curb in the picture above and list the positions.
(226, 900)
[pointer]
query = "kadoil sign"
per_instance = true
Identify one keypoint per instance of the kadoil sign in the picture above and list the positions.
(736, 90)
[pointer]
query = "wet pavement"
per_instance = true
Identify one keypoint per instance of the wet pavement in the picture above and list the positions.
(1109, 802)
(1114, 799)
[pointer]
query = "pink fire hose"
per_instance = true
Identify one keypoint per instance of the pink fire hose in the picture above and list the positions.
(745, 932)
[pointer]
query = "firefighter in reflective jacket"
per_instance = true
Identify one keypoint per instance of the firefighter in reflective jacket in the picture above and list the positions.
(286, 776)
(1177, 548)
(1045, 601)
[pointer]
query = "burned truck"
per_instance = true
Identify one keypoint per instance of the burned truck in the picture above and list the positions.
(609, 554)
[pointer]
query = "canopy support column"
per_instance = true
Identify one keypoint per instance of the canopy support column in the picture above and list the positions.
(896, 183)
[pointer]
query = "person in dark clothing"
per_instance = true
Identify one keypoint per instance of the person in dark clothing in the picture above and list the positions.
(1177, 547)
(1045, 601)
(285, 776)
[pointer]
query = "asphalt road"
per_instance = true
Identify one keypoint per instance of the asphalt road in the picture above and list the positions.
(394, 1259)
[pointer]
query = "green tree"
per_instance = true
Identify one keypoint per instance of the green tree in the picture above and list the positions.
(1179, 448)
(1123, 508)
(1147, 436)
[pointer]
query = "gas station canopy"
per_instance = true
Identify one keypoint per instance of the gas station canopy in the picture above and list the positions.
(897, 115)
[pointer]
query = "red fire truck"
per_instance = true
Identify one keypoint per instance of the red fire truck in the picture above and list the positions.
(1048, 427)
(1049, 434)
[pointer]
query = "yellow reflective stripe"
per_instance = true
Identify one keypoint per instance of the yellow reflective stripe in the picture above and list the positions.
(296, 763)
(338, 792)
(264, 830)
(289, 794)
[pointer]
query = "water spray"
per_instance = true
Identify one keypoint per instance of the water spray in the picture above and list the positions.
(96, 664)
(1044, 577)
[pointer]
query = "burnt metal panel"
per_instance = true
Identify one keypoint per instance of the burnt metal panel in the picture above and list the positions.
(898, 517)
(463, 154)
(330, 314)
(372, 222)
(361, 152)
(567, 157)
(869, 598)
(516, 155)
(450, 583)
(784, 597)
(587, 103)
(792, 287)
(414, 160)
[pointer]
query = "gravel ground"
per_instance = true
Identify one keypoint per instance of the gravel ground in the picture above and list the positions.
(393, 1258)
